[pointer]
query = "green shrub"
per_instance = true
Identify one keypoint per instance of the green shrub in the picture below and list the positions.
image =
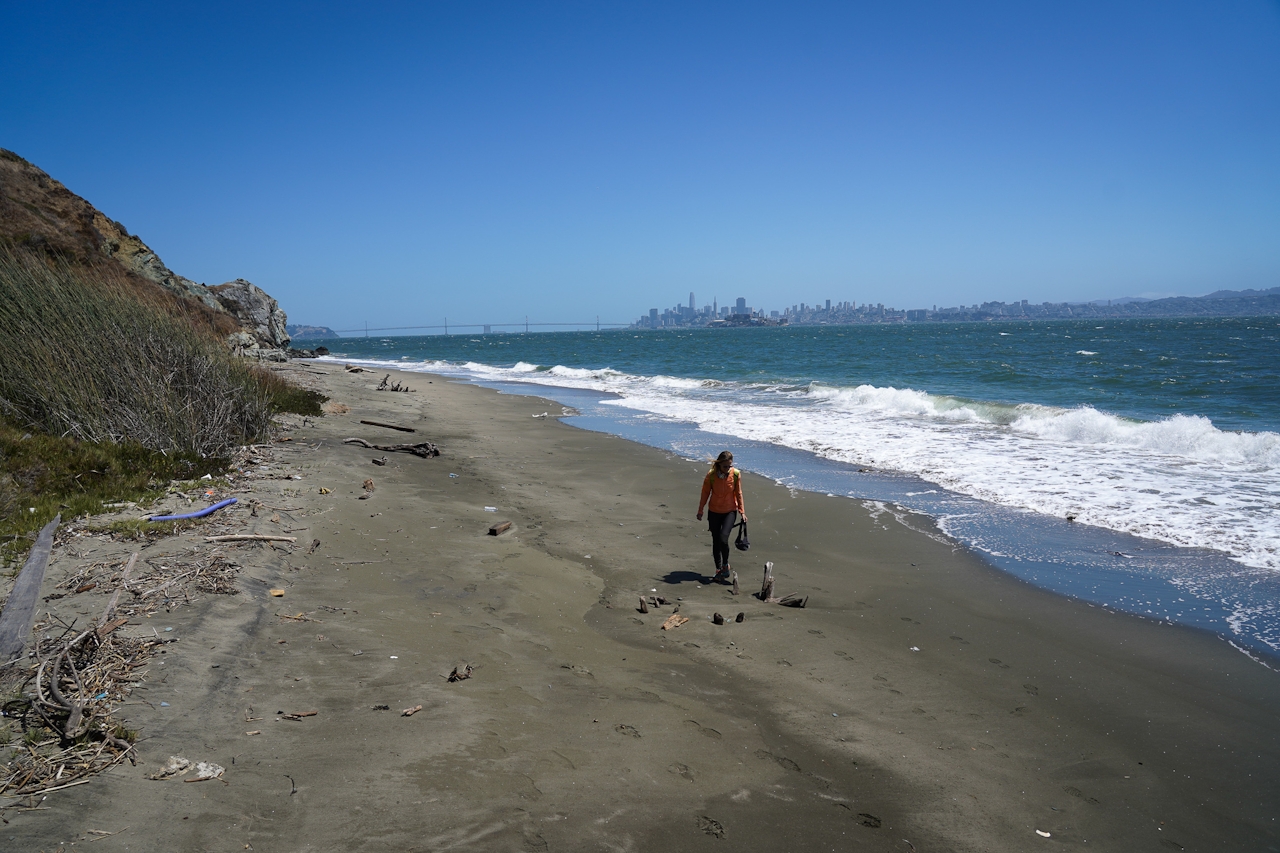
(287, 397)
(52, 475)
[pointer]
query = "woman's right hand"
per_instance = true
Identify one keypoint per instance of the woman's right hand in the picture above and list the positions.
(699, 515)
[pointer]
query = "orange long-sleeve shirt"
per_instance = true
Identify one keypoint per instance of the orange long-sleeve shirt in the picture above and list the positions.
(726, 494)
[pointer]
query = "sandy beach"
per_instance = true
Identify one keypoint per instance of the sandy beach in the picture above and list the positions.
(921, 701)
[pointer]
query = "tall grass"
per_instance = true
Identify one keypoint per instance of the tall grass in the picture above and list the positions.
(81, 356)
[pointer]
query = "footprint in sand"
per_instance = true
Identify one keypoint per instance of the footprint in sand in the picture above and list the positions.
(624, 729)
(879, 678)
(961, 640)
(710, 826)
(1078, 794)
(868, 820)
(1032, 689)
(709, 732)
(681, 770)
(782, 760)
(997, 662)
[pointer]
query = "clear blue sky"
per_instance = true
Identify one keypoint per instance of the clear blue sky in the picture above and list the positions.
(404, 162)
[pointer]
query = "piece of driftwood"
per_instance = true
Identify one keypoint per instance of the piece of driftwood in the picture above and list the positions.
(388, 385)
(425, 449)
(499, 527)
(389, 426)
(409, 712)
(250, 537)
(675, 620)
(766, 592)
(115, 596)
(298, 715)
(644, 605)
(717, 618)
(734, 576)
(315, 543)
(461, 671)
(15, 620)
(766, 587)
(376, 461)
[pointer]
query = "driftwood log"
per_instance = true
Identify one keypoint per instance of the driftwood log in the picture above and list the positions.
(250, 537)
(766, 592)
(388, 385)
(675, 620)
(766, 587)
(389, 426)
(15, 621)
(644, 605)
(499, 528)
(425, 449)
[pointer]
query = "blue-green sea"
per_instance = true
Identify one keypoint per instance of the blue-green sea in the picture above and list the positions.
(1159, 439)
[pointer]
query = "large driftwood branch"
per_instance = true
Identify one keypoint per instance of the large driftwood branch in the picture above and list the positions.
(424, 449)
(15, 621)
(389, 426)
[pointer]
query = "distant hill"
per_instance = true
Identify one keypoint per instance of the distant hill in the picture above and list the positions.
(1240, 294)
(302, 333)
(39, 215)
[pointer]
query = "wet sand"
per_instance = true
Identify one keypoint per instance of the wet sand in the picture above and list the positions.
(922, 699)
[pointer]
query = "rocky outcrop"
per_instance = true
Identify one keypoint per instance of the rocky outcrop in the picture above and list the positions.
(259, 316)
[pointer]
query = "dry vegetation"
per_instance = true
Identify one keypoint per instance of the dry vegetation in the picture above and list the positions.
(80, 357)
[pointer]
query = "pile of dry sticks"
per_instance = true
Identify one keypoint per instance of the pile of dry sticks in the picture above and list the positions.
(62, 704)
(63, 697)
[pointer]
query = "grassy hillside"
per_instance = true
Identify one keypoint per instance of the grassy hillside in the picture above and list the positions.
(106, 396)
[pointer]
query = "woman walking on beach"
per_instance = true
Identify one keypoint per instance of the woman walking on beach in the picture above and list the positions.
(723, 485)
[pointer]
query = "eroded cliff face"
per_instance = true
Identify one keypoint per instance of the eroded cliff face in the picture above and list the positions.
(259, 316)
(38, 213)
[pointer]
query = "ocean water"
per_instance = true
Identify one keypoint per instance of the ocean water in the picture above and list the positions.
(1159, 438)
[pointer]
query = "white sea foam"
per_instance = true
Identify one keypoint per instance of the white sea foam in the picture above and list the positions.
(1179, 480)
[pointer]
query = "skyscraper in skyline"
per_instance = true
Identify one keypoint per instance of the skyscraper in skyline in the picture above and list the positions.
(691, 300)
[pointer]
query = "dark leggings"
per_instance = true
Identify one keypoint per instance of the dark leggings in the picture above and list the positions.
(721, 525)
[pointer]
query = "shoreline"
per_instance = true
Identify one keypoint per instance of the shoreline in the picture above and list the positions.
(1142, 576)
(586, 727)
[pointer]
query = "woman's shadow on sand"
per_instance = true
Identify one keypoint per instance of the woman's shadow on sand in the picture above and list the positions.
(683, 577)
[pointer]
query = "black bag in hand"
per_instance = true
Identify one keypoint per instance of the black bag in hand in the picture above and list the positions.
(742, 543)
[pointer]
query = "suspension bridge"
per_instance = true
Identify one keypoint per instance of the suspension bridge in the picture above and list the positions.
(484, 328)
